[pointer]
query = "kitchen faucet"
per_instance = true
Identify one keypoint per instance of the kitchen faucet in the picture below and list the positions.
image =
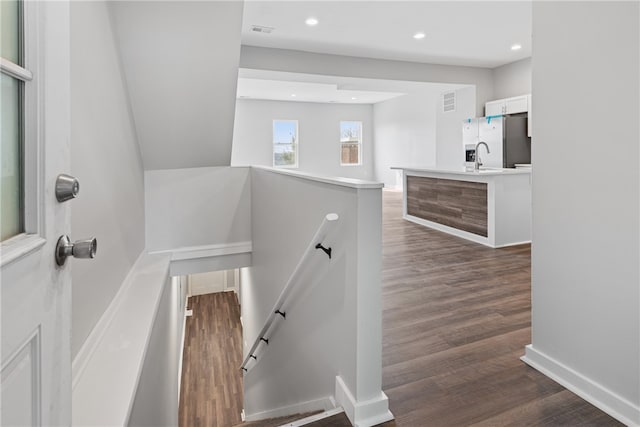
(478, 163)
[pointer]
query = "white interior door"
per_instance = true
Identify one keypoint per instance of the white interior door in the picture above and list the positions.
(35, 293)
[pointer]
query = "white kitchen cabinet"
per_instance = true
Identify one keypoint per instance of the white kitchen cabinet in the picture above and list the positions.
(494, 108)
(516, 104)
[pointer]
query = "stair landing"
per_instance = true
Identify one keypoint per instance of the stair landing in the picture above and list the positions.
(338, 420)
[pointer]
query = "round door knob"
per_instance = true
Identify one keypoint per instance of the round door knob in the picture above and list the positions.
(84, 248)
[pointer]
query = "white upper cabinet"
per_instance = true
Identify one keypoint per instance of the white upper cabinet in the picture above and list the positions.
(516, 104)
(494, 108)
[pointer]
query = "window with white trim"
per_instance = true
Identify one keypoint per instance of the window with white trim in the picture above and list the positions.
(285, 143)
(13, 77)
(21, 151)
(350, 143)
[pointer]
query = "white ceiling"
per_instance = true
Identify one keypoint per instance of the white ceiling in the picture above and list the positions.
(471, 33)
(279, 86)
(279, 90)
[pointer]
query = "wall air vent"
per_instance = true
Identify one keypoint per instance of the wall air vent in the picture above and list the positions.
(449, 102)
(261, 29)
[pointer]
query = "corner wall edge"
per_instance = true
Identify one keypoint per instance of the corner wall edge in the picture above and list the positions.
(362, 414)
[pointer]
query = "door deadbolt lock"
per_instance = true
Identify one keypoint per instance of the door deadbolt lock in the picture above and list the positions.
(84, 248)
(67, 187)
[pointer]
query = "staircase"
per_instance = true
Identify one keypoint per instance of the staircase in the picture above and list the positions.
(332, 418)
(275, 422)
(213, 333)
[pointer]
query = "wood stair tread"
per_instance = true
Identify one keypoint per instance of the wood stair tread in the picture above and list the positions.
(276, 422)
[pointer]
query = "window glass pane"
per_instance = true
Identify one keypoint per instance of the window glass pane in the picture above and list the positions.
(11, 210)
(349, 154)
(285, 143)
(350, 141)
(10, 30)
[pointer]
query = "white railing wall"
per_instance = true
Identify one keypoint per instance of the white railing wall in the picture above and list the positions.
(329, 345)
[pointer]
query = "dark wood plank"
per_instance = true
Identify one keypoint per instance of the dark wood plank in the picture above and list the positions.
(457, 204)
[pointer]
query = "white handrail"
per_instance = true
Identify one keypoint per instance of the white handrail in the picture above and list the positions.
(277, 312)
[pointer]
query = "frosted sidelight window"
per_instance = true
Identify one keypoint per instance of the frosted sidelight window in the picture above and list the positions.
(10, 156)
(285, 143)
(350, 143)
(11, 122)
(10, 30)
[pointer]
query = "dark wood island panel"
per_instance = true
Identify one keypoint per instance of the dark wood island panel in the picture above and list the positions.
(457, 204)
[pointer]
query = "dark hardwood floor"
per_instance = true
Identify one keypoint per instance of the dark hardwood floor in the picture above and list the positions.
(456, 318)
(211, 388)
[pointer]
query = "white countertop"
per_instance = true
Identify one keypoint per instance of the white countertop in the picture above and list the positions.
(463, 171)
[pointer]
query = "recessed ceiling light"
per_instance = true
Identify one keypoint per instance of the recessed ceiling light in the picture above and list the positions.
(312, 22)
(353, 98)
(516, 47)
(419, 36)
(293, 95)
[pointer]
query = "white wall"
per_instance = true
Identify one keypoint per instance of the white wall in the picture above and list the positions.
(348, 66)
(156, 400)
(105, 157)
(334, 325)
(318, 135)
(450, 152)
(404, 133)
(181, 65)
(197, 207)
(586, 187)
(412, 130)
(212, 281)
(512, 79)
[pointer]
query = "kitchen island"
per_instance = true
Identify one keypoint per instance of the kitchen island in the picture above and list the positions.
(489, 206)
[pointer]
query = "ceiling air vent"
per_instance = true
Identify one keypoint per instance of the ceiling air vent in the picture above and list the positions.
(261, 29)
(449, 102)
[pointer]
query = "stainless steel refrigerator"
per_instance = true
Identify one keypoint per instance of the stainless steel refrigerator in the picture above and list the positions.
(506, 137)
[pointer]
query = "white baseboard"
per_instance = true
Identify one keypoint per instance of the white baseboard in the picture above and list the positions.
(362, 414)
(618, 407)
(323, 404)
(506, 245)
